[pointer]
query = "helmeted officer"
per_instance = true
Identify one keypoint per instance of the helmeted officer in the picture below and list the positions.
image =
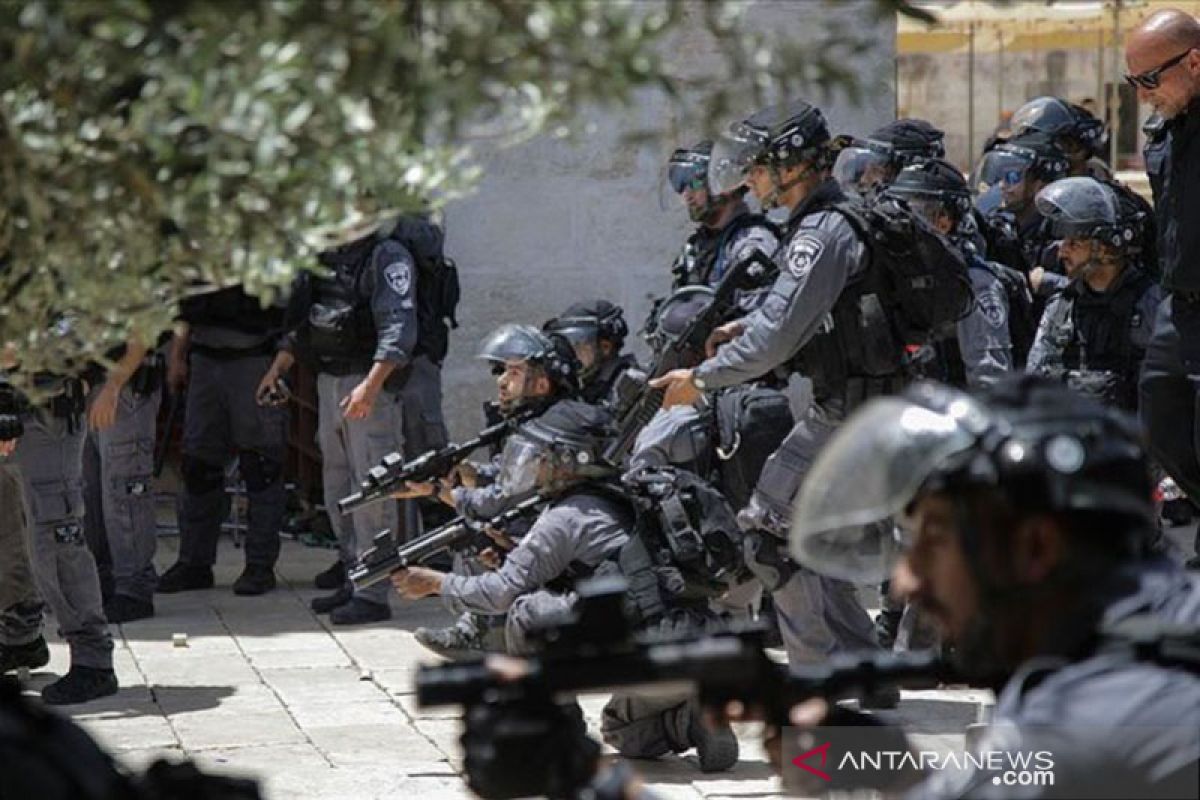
(1077, 132)
(118, 462)
(1025, 510)
(1093, 334)
(533, 371)
(221, 348)
(596, 330)
(867, 166)
(783, 153)
(727, 231)
(979, 349)
(359, 331)
(41, 475)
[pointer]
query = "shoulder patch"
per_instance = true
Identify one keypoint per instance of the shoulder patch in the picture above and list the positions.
(399, 277)
(992, 308)
(802, 254)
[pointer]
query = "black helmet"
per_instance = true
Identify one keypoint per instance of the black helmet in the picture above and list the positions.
(1059, 119)
(777, 136)
(934, 179)
(1045, 448)
(1034, 153)
(585, 325)
(1087, 209)
(551, 352)
(689, 166)
(911, 140)
(673, 314)
(570, 436)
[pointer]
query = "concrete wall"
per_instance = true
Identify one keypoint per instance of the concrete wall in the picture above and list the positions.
(557, 221)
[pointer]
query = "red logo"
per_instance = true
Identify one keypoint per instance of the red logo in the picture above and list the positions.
(823, 751)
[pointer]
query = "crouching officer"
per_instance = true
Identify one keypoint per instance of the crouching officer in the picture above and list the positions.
(596, 330)
(1025, 516)
(533, 371)
(1094, 333)
(41, 476)
(358, 329)
(783, 153)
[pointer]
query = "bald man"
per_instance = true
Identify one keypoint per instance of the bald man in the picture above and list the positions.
(1163, 57)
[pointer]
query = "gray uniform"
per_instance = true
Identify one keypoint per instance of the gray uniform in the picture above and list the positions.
(118, 463)
(1115, 726)
(20, 605)
(677, 437)
(574, 534)
(820, 256)
(349, 448)
(983, 338)
(48, 462)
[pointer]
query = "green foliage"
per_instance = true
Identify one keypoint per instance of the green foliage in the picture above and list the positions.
(152, 147)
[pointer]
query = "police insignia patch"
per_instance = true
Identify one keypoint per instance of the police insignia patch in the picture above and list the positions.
(802, 253)
(992, 309)
(399, 277)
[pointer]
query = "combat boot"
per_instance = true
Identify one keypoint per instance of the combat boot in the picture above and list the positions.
(185, 578)
(33, 655)
(326, 604)
(123, 608)
(80, 685)
(331, 578)
(454, 643)
(717, 747)
(255, 579)
(360, 612)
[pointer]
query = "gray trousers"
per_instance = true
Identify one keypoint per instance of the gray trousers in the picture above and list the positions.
(50, 458)
(649, 725)
(223, 420)
(424, 429)
(818, 616)
(530, 610)
(20, 605)
(348, 449)
(118, 466)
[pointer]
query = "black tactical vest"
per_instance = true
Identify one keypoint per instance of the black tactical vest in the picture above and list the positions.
(696, 263)
(338, 336)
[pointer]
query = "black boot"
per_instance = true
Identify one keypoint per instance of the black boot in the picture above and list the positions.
(123, 608)
(255, 579)
(79, 685)
(360, 612)
(331, 578)
(31, 656)
(323, 605)
(185, 578)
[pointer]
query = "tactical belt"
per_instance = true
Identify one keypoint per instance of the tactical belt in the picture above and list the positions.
(267, 348)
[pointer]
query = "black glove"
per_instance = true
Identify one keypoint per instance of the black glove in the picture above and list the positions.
(11, 427)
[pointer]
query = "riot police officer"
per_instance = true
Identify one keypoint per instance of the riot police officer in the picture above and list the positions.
(1076, 131)
(1025, 511)
(979, 350)
(726, 233)
(118, 462)
(41, 475)
(783, 153)
(359, 330)
(1093, 334)
(533, 371)
(596, 330)
(867, 166)
(221, 349)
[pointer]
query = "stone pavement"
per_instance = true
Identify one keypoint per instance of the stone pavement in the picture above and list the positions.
(265, 688)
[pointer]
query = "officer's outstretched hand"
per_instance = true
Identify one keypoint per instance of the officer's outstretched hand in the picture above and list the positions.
(360, 401)
(417, 582)
(678, 389)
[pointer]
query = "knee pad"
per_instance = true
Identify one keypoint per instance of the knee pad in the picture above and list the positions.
(200, 477)
(258, 471)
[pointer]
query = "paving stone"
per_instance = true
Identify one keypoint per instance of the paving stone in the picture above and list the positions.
(132, 732)
(224, 729)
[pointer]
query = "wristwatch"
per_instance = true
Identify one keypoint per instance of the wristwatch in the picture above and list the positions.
(699, 383)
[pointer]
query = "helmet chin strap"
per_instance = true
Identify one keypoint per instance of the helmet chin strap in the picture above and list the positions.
(779, 186)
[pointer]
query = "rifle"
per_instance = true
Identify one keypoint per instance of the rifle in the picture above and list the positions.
(692, 338)
(515, 711)
(385, 557)
(393, 471)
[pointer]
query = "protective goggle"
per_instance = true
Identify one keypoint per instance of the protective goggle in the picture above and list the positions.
(689, 171)
(1002, 167)
(863, 167)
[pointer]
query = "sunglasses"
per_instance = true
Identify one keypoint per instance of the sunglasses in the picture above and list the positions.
(1151, 79)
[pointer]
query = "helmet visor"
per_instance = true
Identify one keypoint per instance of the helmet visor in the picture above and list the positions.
(870, 471)
(1000, 167)
(513, 343)
(859, 170)
(520, 466)
(1080, 207)
(732, 157)
(688, 171)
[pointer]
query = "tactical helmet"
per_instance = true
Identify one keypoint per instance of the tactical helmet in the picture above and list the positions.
(562, 446)
(1059, 119)
(585, 325)
(870, 164)
(689, 166)
(778, 136)
(1045, 448)
(912, 140)
(553, 353)
(674, 313)
(1031, 153)
(1087, 209)
(935, 180)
